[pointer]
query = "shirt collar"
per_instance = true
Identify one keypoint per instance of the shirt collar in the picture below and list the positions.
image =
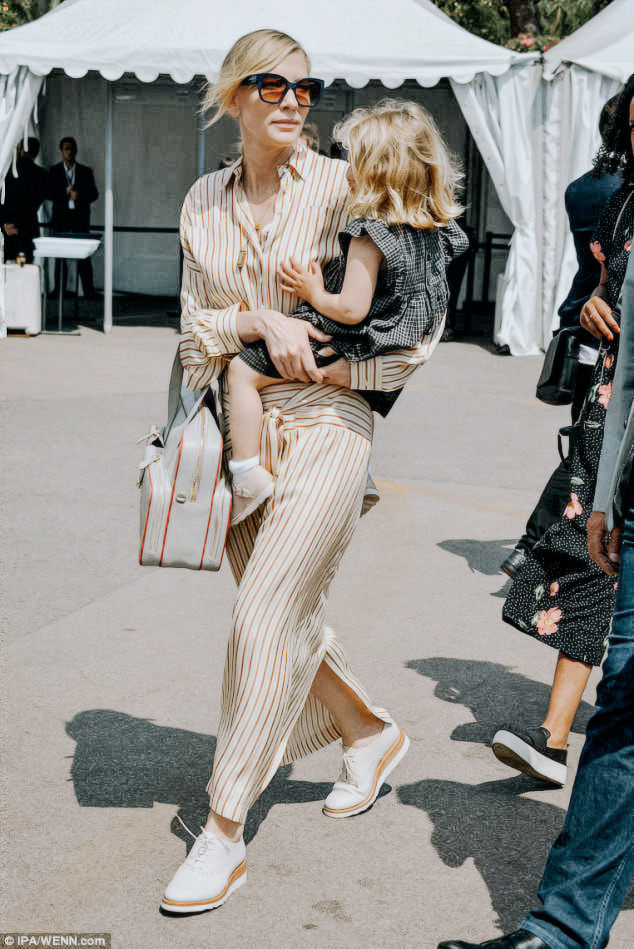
(298, 165)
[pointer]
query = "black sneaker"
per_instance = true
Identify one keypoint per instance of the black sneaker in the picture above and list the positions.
(513, 562)
(528, 752)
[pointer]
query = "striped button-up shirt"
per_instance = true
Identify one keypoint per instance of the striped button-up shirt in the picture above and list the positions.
(227, 267)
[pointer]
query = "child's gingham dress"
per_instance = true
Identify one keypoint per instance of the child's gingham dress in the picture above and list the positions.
(409, 302)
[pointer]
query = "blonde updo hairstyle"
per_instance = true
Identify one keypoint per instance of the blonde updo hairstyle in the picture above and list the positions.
(255, 52)
(403, 172)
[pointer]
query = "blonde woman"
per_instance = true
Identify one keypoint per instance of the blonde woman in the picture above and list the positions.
(387, 290)
(288, 688)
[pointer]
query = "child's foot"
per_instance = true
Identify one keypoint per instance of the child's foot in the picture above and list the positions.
(250, 491)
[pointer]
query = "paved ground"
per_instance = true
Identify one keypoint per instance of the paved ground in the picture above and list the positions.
(113, 670)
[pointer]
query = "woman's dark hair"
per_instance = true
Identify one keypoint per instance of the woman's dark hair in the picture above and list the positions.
(616, 151)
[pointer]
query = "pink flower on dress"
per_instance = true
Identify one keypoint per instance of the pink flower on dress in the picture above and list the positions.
(605, 394)
(527, 40)
(554, 588)
(608, 362)
(627, 246)
(573, 508)
(595, 247)
(547, 621)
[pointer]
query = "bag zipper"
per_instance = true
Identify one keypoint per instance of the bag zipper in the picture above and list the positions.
(199, 460)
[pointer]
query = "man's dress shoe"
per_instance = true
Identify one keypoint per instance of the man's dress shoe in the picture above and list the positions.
(520, 939)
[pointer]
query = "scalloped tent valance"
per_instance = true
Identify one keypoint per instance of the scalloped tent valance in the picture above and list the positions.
(355, 40)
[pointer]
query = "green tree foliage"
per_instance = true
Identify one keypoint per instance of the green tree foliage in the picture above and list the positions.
(490, 19)
(560, 19)
(16, 12)
(536, 25)
(486, 18)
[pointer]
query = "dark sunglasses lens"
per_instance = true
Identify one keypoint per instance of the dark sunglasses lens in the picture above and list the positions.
(308, 93)
(272, 90)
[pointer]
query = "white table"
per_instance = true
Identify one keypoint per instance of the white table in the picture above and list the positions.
(67, 248)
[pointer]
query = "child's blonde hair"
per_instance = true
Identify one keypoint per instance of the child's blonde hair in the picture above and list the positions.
(403, 172)
(255, 52)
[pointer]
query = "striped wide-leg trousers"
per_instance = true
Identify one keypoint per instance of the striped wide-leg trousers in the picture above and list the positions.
(284, 558)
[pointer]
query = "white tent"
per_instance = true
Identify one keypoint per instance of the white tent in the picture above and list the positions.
(585, 69)
(357, 41)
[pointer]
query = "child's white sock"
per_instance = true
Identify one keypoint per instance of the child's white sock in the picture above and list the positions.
(240, 469)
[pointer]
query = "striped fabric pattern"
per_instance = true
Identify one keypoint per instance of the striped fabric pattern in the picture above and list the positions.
(284, 558)
(226, 268)
(316, 440)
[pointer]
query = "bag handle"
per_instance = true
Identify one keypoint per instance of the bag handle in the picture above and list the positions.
(182, 402)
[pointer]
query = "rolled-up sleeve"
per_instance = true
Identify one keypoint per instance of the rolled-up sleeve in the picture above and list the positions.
(390, 372)
(209, 335)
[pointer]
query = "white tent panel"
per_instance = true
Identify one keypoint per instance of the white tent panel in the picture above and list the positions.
(587, 68)
(18, 102)
(501, 116)
(357, 40)
(573, 106)
(603, 45)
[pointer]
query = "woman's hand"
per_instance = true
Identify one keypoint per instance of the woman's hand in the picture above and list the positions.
(596, 317)
(604, 546)
(337, 373)
(287, 341)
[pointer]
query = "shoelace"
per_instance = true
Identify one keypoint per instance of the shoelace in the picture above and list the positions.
(202, 845)
(349, 774)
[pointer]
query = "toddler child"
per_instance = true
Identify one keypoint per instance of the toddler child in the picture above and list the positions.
(388, 289)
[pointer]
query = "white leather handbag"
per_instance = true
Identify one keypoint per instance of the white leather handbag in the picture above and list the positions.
(185, 501)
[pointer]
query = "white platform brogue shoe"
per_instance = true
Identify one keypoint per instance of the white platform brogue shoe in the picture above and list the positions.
(212, 870)
(363, 772)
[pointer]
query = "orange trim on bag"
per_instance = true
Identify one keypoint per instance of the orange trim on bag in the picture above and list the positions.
(211, 508)
(169, 511)
(147, 516)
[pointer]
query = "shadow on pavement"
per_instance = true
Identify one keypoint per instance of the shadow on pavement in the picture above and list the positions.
(507, 836)
(122, 761)
(482, 556)
(496, 696)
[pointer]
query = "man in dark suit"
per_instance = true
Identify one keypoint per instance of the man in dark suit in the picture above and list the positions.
(24, 193)
(72, 191)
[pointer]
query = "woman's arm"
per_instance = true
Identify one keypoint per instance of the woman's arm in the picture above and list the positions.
(352, 304)
(211, 336)
(386, 373)
(287, 341)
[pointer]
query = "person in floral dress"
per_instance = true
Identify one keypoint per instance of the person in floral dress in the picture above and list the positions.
(559, 595)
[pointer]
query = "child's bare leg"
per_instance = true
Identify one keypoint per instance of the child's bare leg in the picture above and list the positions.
(246, 408)
(252, 484)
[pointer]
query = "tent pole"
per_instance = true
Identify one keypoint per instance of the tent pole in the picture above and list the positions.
(109, 220)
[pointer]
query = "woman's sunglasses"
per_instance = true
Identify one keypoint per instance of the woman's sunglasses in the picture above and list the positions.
(272, 88)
